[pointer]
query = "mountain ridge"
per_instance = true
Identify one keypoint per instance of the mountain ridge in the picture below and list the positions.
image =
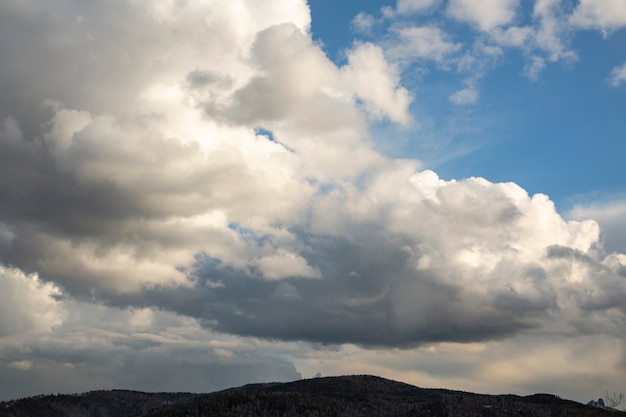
(354, 395)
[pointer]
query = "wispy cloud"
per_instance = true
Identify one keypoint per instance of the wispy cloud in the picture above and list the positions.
(618, 76)
(422, 43)
(415, 6)
(464, 97)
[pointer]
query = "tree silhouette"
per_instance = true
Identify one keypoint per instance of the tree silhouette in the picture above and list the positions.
(614, 401)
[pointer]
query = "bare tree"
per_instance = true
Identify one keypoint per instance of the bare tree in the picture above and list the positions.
(614, 400)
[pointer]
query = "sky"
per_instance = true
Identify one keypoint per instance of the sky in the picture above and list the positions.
(201, 194)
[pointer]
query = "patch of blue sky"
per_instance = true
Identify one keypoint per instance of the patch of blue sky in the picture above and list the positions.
(247, 234)
(260, 131)
(331, 23)
(562, 134)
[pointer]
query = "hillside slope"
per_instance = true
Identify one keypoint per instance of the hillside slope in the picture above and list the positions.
(320, 397)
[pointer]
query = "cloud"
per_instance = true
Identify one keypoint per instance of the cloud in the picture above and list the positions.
(27, 305)
(464, 97)
(552, 30)
(415, 6)
(520, 365)
(286, 264)
(610, 215)
(485, 15)
(605, 15)
(208, 199)
(102, 348)
(422, 43)
(617, 76)
(533, 68)
(363, 22)
(286, 58)
(188, 210)
(545, 40)
(377, 83)
(390, 281)
(513, 36)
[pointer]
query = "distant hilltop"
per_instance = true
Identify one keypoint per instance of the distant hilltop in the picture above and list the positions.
(349, 396)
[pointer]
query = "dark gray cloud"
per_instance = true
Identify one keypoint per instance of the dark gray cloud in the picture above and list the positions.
(126, 364)
(375, 285)
(370, 294)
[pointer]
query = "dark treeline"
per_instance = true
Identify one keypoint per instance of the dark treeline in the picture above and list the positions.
(349, 396)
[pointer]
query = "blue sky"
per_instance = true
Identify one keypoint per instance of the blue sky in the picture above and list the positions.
(561, 134)
(213, 193)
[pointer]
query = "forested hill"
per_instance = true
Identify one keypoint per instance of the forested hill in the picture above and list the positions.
(114, 403)
(333, 396)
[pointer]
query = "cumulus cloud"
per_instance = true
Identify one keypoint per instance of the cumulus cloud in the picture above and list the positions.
(387, 279)
(611, 217)
(376, 82)
(214, 180)
(604, 15)
(485, 15)
(182, 206)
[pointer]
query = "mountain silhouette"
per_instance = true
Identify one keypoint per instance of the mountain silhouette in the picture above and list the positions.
(357, 395)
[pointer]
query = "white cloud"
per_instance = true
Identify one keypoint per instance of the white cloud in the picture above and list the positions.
(618, 76)
(148, 187)
(485, 14)
(534, 67)
(363, 22)
(552, 29)
(415, 6)
(426, 42)
(546, 39)
(286, 264)
(375, 81)
(604, 15)
(514, 36)
(611, 216)
(465, 96)
(26, 304)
